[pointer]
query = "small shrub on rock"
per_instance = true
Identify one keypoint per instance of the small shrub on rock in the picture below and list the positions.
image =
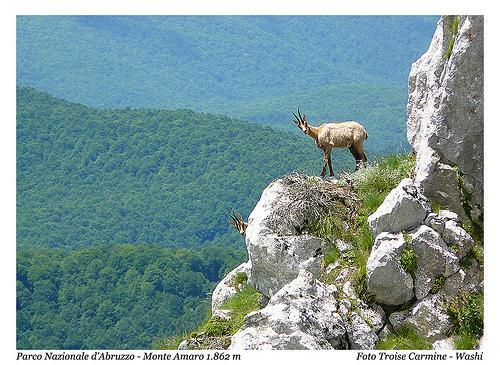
(240, 279)
(437, 284)
(409, 260)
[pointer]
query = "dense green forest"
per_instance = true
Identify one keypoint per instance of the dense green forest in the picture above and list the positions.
(91, 176)
(114, 296)
(256, 68)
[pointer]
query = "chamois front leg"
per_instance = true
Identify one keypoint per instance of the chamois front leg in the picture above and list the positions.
(325, 162)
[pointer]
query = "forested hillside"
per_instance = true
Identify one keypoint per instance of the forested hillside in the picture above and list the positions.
(252, 68)
(114, 296)
(90, 176)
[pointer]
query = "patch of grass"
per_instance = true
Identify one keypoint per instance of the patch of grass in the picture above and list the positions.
(435, 206)
(437, 284)
(478, 253)
(218, 327)
(170, 343)
(404, 339)
(336, 223)
(464, 341)
(361, 288)
(475, 230)
(466, 311)
(451, 40)
(331, 255)
(245, 301)
(373, 183)
(409, 260)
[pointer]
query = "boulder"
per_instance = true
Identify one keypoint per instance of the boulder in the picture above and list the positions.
(227, 287)
(434, 259)
(457, 238)
(363, 324)
(361, 335)
(386, 278)
(445, 115)
(444, 344)
(467, 280)
(301, 315)
(224, 314)
(428, 317)
(437, 220)
(403, 209)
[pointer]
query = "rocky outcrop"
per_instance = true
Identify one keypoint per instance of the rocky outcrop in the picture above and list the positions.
(277, 247)
(445, 115)
(302, 315)
(445, 129)
(439, 277)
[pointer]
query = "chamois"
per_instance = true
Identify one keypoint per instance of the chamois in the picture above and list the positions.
(238, 223)
(349, 134)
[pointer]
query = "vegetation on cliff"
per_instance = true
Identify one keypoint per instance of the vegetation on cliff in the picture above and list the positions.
(371, 186)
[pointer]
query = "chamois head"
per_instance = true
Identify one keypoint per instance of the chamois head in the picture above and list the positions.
(301, 121)
(238, 223)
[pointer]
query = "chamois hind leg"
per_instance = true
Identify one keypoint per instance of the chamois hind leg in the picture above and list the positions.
(361, 150)
(357, 156)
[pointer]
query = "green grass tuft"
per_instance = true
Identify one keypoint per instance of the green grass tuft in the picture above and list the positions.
(239, 279)
(435, 207)
(451, 40)
(465, 341)
(242, 303)
(437, 284)
(409, 260)
(404, 339)
(331, 255)
(245, 301)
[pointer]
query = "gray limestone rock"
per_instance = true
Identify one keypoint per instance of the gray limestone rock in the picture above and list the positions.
(386, 278)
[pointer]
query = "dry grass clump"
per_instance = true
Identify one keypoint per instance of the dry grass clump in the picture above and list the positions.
(311, 197)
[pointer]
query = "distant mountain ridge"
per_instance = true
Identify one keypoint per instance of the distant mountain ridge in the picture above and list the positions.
(248, 67)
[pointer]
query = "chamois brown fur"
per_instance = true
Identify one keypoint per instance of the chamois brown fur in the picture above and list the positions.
(328, 136)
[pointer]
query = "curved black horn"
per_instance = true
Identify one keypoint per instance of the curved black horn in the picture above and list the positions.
(301, 118)
(296, 117)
